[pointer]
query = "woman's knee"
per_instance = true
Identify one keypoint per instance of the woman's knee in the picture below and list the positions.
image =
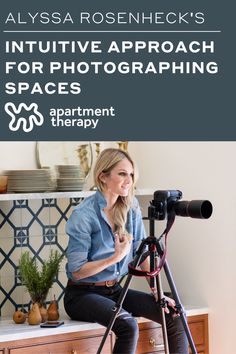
(127, 325)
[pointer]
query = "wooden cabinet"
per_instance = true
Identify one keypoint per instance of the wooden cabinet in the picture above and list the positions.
(150, 338)
(87, 342)
(84, 342)
(77, 346)
(198, 326)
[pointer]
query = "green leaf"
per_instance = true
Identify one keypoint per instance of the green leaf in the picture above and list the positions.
(38, 282)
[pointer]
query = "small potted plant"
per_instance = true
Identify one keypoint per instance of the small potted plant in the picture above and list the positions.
(39, 281)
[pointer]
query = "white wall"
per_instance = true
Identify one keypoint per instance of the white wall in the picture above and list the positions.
(201, 253)
(17, 155)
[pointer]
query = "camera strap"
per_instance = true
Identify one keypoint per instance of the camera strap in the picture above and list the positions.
(152, 248)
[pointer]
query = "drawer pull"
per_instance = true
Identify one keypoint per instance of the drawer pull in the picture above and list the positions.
(152, 342)
(74, 351)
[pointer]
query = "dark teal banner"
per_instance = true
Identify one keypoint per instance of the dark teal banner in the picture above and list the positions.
(117, 70)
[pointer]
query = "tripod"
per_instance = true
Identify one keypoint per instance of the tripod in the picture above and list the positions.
(155, 249)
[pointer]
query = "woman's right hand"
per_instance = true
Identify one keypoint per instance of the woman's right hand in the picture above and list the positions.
(122, 247)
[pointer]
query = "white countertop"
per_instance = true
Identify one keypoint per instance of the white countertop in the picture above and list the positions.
(10, 331)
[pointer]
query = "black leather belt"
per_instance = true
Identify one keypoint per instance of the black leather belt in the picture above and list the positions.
(107, 283)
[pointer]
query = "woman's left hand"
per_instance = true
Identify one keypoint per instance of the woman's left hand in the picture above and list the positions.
(170, 303)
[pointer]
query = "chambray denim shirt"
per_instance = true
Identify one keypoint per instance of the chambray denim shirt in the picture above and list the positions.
(91, 238)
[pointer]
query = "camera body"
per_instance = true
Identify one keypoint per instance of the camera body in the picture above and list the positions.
(167, 201)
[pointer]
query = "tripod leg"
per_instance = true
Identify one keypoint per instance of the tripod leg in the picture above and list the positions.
(156, 287)
(179, 306)
(162, 306)
(116, 309)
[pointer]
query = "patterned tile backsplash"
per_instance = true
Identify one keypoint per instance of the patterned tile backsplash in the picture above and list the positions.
(37, 226)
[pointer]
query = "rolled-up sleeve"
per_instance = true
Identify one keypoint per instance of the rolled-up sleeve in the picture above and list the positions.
(79, 230)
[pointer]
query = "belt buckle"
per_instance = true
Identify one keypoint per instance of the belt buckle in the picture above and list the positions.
(109, 283)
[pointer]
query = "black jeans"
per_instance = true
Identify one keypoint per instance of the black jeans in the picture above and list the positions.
(94, 304)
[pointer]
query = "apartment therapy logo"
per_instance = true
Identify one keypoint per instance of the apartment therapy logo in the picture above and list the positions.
(23, 117)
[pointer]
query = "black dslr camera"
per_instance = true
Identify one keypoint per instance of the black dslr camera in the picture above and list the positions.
(165, 202)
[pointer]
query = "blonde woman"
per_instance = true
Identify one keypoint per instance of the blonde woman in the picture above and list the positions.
(104, 233)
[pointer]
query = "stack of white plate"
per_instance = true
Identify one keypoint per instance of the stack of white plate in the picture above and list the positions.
(38, 180)
(70, 178)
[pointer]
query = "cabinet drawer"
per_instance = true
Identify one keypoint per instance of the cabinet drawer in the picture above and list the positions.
(150, 341)
(79, 346)
(197, 331)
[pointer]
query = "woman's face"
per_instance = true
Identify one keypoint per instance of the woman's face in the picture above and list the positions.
(120, 179)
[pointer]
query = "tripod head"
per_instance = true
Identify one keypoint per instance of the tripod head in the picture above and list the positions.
(167, 201)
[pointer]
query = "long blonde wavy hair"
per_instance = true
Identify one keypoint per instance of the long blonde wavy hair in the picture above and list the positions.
(106, 161)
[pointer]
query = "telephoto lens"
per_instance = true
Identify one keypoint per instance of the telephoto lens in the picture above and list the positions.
(199, 209)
